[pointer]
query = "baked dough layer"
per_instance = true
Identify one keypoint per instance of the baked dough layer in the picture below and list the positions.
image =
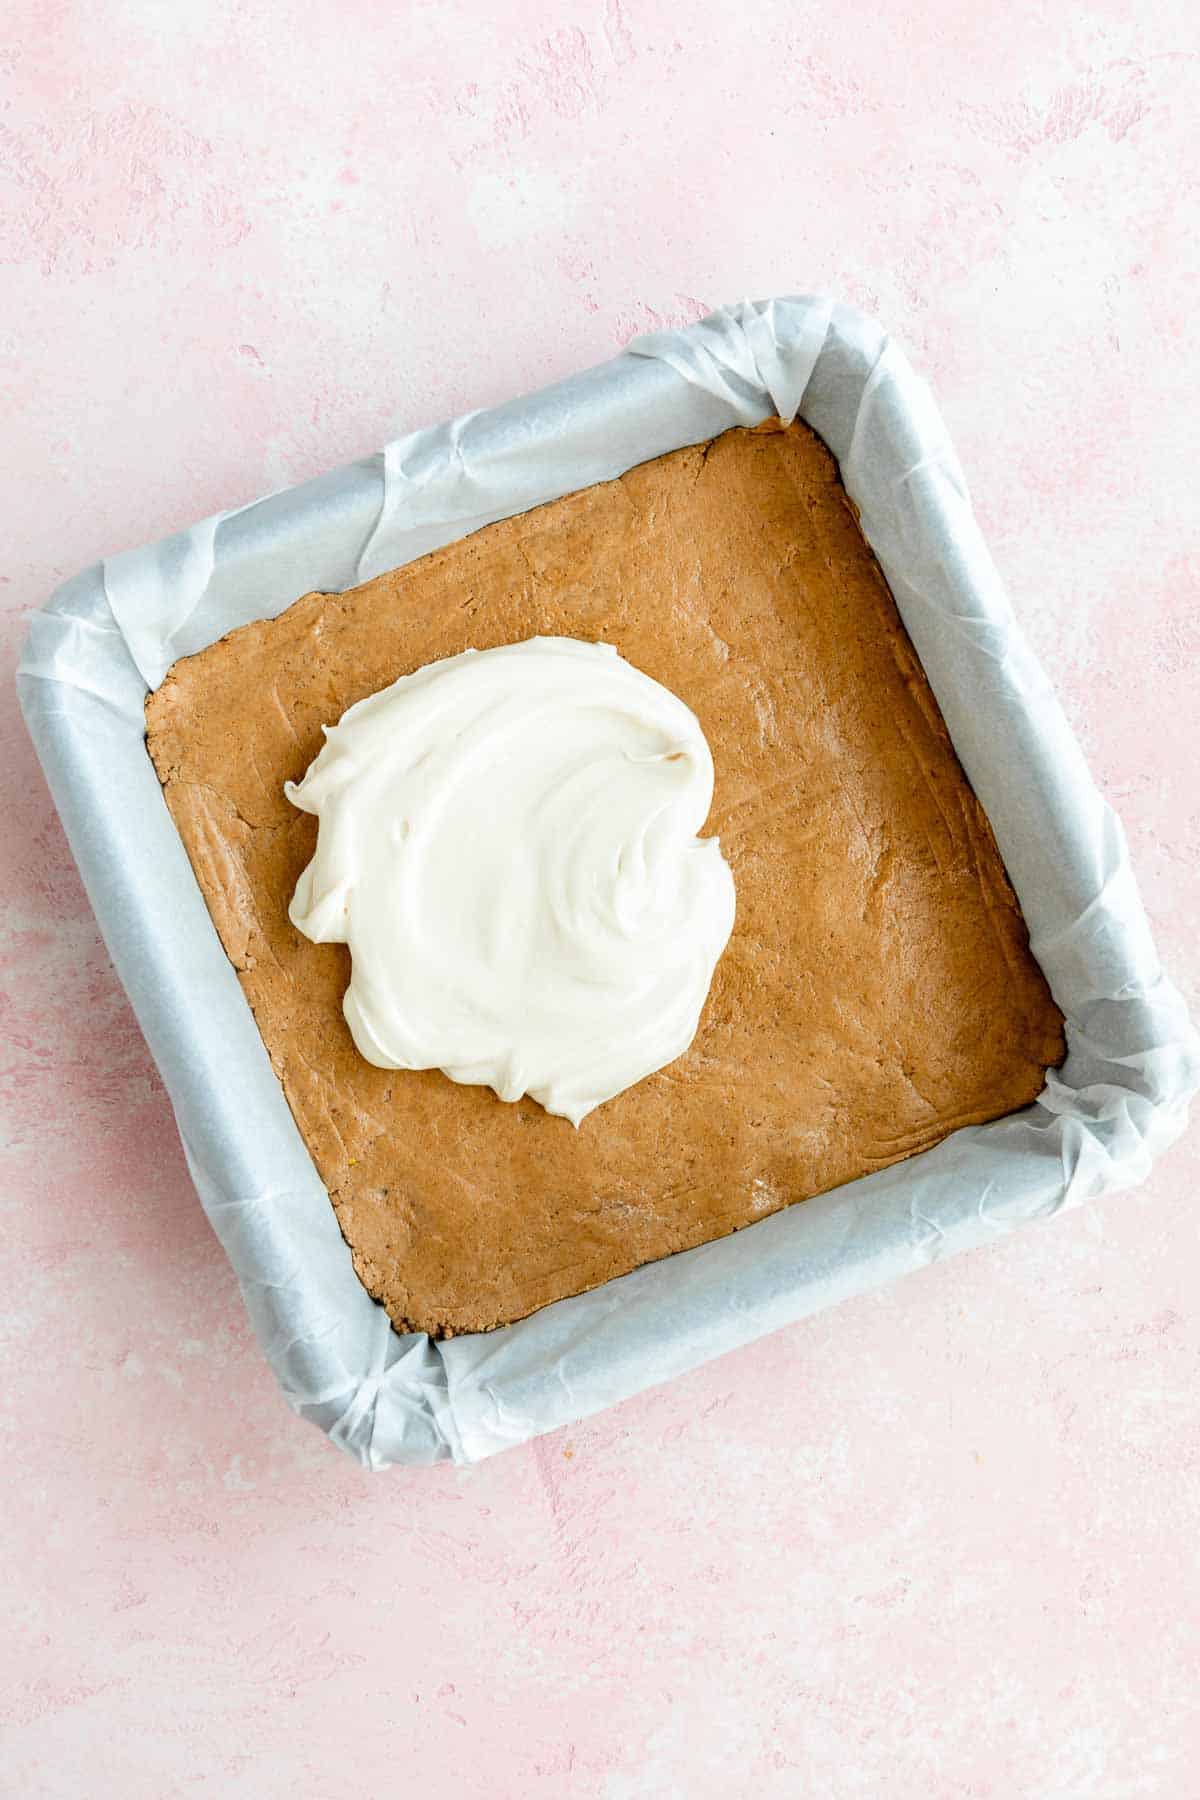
(878, 990)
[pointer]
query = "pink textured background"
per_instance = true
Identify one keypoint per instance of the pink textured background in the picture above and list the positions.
(939, 1543)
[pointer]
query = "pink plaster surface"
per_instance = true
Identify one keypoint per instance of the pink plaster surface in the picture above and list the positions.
(943, 1542)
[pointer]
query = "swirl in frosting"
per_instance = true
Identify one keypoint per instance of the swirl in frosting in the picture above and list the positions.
(507, 843)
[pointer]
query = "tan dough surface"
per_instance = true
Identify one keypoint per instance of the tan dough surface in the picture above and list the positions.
(878, 990)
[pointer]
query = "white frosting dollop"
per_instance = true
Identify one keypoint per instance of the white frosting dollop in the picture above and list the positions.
(508, 845)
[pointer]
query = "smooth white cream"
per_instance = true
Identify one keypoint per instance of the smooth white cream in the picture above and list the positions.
(508, 845)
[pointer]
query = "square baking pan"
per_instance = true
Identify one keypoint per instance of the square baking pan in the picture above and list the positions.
(109, 635)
